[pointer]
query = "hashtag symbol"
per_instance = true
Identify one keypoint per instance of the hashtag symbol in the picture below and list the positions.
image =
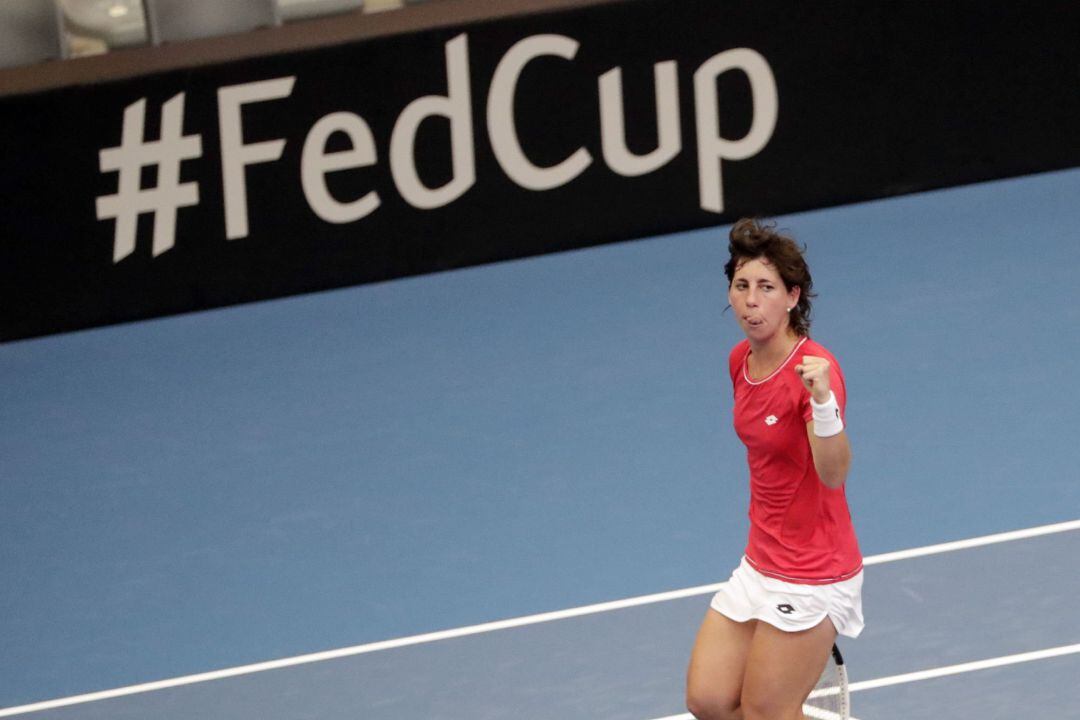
(131, 200)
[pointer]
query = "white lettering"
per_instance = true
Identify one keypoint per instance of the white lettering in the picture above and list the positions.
(315, 163)
(457, 107)
(235, 155)
(613, 128)
(500, 116)
(713, 149)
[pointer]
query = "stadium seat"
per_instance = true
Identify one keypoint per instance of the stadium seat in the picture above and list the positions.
(174, 20)
(374, 6)
(117, 23)
(290, 10)
(30, 31)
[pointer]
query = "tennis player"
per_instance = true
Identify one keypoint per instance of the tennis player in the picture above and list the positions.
(769, 629)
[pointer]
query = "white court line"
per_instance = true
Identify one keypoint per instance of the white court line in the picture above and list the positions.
(973, 542)
(943, 671)
(501, 625)
(965, 667)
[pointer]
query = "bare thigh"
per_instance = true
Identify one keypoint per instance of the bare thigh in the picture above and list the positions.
(782, 668)
(717, 664)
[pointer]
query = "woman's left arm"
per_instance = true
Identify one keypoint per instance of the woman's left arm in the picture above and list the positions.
(832, 456)
(828, 440)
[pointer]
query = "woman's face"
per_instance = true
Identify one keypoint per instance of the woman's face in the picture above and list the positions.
(760, 300)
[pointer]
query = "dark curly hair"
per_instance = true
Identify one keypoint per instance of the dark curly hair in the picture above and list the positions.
(752, 239)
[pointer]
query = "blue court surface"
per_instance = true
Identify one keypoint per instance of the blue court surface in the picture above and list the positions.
(362, 484)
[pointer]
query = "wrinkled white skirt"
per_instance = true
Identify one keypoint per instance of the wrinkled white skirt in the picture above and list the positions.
(749, 595)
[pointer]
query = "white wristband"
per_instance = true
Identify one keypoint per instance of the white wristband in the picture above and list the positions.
(827, 420)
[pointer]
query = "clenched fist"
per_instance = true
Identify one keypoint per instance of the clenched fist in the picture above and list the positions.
(814, 372)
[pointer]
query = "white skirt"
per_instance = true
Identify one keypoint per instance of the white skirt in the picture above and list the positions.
(791, 607)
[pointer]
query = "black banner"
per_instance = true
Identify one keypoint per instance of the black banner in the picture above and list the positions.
(445, 148)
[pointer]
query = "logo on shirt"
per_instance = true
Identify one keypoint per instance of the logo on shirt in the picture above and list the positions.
(771, 420)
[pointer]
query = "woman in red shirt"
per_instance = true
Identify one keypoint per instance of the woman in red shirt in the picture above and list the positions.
(769, 629)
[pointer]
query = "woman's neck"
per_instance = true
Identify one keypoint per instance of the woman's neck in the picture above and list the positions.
(766, 357)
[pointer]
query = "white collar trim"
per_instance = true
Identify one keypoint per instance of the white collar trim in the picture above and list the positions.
(774, 373)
